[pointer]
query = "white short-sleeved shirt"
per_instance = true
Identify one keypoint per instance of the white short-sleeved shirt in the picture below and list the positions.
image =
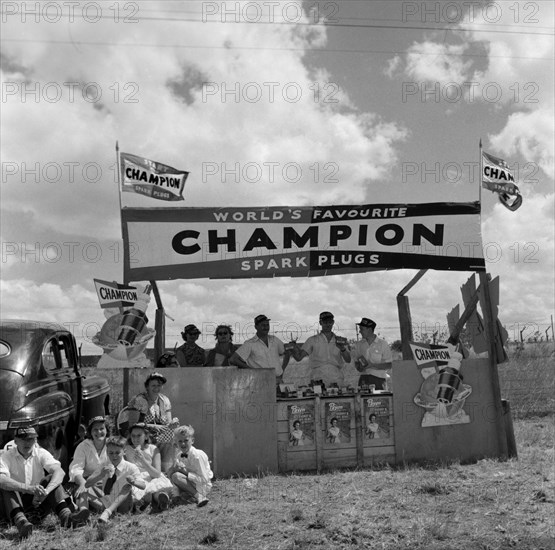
(258, 355)
(87, 459)
(376, 352)
(27, 470)
(321, 352)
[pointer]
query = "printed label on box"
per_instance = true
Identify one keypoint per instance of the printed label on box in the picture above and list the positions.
(376, 418)
(338, 422)
(301, 424)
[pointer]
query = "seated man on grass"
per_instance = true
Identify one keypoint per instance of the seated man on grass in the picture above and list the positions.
(26, 491)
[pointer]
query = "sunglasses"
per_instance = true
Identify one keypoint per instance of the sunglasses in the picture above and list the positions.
(222, 333)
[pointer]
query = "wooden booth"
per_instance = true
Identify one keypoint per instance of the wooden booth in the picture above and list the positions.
(436, 411)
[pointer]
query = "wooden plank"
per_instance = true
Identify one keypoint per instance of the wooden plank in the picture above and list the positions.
(282, 457)
(318, 432)
(358, 429)
(412, 282)
(159, 324)
(405, 323)
(490, 332)
(475, 325)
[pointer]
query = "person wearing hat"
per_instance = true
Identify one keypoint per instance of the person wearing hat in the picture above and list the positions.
(26, 489)
(190, 354)
(327, 354)
(155, 410)
(372, 355)
(262, 351)
(89, 455)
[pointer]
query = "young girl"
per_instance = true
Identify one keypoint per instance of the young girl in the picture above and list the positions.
(147, 458)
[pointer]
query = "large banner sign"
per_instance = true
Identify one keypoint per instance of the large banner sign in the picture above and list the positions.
(184, 243)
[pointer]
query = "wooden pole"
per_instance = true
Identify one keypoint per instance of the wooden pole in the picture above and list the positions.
(469, 310)
(405, 321)
(159, 324)
(490, 324)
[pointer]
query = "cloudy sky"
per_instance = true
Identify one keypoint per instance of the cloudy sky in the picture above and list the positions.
(367, 102)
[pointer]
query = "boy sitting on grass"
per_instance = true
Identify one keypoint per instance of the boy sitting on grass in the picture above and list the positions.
(118, 477)
(190, 471)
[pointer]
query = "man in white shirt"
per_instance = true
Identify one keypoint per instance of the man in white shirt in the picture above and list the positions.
(372, 355)
(327, 353)
(262, 351)
(25, 488)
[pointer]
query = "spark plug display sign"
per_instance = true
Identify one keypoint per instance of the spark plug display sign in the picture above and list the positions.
(173, 243)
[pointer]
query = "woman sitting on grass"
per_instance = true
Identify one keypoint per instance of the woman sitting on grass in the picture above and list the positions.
(89, 455)
(146, 457)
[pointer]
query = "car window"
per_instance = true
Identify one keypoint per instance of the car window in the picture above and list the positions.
(57, 354)
(65, 352)
(51, 355)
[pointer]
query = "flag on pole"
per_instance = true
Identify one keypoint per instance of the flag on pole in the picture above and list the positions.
(152, 179)
(499, 178)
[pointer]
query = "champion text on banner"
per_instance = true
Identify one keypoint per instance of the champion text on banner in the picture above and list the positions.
(498, 178)
(150, 178)
(496, 175)
(173, 243)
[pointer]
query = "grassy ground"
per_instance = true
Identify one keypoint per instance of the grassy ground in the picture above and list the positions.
(490, 505)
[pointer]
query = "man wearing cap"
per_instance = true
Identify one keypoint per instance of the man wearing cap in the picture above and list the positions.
(25, 488)
(262, 351)
(372, 355)
(190, 354)
(327, 353)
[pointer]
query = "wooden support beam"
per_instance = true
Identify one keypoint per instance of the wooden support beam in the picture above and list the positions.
(412, 282)
(490, 324)
(467, 313)
(159, 324)
(405, 321)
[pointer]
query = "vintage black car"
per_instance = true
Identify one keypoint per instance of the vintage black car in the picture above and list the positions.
(41, 384)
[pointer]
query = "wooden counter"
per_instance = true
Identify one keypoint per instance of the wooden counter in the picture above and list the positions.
(316, 433)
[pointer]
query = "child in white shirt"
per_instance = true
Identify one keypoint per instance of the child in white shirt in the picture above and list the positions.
(117, 478)
(190, 471)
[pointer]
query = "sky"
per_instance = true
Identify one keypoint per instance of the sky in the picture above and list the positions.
(351, 102)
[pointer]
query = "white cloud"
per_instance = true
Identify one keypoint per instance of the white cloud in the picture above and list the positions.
(433, 62)
(532, 135)
(256, 109)
(178, 125)
(517, 78)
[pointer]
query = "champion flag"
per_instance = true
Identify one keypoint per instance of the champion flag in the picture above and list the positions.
(152, 179)
(498, 178)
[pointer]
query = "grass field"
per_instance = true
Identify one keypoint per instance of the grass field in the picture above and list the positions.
(489, 505)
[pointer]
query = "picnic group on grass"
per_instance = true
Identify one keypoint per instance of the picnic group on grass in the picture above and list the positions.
(156, 464)
(109, 473)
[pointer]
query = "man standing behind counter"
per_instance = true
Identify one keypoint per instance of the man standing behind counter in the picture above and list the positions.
(327, 353)
(262, 351)
(372, 355)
